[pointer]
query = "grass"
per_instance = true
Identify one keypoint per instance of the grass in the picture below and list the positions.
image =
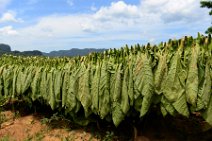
(37, 137)
(109, 136)
(2, 118)
(5, 138)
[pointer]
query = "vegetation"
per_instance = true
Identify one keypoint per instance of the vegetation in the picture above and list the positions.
(207, 4)
(175, 76)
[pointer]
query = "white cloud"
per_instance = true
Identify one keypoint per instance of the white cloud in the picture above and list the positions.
(117, 10)
(70, 2)
(55, 25)
(10, 17)
(3, 4)
(173, 10)
(8, 31)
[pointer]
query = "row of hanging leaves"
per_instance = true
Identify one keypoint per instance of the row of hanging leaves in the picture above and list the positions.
(176, 75)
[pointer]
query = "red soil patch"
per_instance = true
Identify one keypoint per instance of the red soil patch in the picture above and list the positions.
(30, 127)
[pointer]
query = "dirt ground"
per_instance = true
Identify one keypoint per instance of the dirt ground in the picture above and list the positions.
(16, 126)
(30, 127)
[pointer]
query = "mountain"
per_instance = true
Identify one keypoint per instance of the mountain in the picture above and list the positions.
(6, 49)
(73, 52)
(27, 53)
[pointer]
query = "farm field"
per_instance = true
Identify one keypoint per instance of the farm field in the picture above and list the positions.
(150, 92)
(106, 70)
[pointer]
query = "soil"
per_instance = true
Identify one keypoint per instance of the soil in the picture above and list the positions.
(20, 125)
(30, 127)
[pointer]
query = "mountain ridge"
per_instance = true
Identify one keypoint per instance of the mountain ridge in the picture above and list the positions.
(6, 49)
(72, 52)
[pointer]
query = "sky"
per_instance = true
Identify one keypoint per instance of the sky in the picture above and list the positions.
(48, 25)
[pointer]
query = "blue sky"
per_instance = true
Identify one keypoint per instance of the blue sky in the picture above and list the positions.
(48, 25)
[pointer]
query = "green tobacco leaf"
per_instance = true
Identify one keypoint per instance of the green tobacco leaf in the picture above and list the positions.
(44, 85)
(168, 106)
(160, 73)
(163, 110)
(192, 82)
(207, 114)
(104, 91)
(27, 80)
(18, 79)
(36, 84)
(206, 89)
(84, 91)
(72, 91)
(131, 85)
(57, 74)
(119, 97)
(144, 83)
(95, 89)
(148, 86)
(138, 76)
(181, 106)
(117, 114)
(1, 82)
(7, 79)
(172, 86)
(51, 92)
(125, 105)
(14, 82)
(65, 86)
(116, 93)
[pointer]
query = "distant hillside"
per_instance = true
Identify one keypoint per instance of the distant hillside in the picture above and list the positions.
(6, 49)
(73, 52)
(27, 53)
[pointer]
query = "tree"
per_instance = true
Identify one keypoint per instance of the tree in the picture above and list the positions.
(207, 4)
